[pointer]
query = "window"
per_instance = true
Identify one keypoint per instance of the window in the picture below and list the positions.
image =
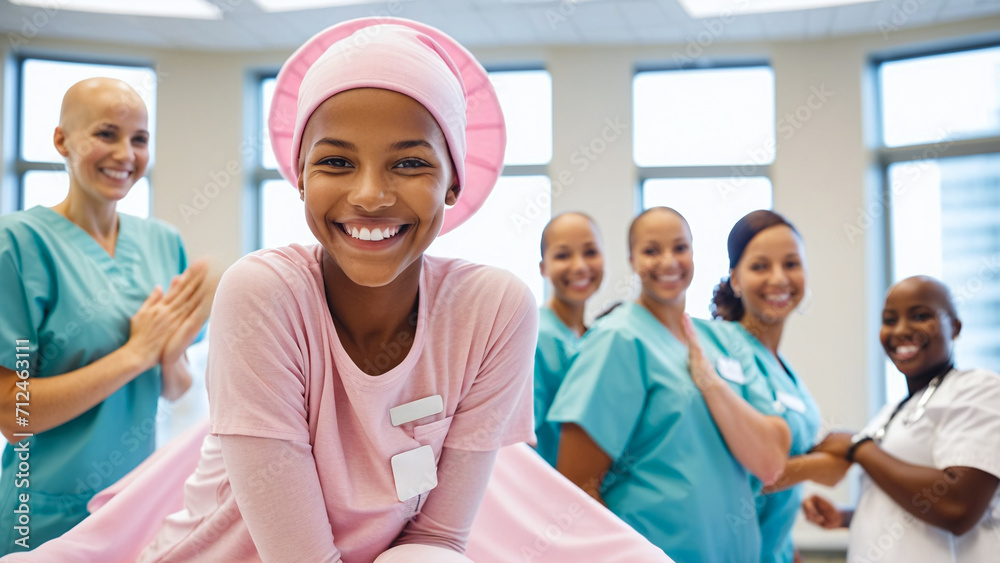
(282, 213)
(703, 141)
(520, 205)
(41, 169)
(941, 161)
(511, 219)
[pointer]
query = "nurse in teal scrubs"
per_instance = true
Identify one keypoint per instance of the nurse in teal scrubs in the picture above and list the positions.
(660, 421)
(94, 303)
(766, 283)
(573, 261)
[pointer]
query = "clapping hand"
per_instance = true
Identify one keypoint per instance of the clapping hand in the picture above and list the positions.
(192, 293)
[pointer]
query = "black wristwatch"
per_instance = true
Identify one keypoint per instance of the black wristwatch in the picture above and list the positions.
(856, 440)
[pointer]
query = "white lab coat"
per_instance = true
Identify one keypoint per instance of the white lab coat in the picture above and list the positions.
(960, 427)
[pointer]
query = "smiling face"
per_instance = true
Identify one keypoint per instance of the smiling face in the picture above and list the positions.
(661, 254)
(573, 259)
(103, 134)
(376, 176)
(919, 326)
(771, 275)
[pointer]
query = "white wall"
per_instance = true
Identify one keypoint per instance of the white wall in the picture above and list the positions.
(822, 175)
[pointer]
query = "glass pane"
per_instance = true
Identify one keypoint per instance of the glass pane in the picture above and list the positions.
(944, 224)
(283, 216)
(942, 97)
(267, 159)
(526, 100)
(704, 117)
(45, 83)
(711, 206)
(42, 187)
(506, 231)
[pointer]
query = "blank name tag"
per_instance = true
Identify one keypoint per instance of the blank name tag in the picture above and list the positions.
(792, 402)
(730, 369)
(416, 409)
(414, 472)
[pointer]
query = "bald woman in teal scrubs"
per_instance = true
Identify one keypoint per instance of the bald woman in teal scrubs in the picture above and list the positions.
(661, 430)
(573, 261)
(767, 281)
(98, 309)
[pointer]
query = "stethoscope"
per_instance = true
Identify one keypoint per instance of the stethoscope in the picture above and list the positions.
(918, 411)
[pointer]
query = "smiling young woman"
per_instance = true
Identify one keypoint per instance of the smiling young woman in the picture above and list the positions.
(381, 381)
(573, 262)
(931, 463)
(106, 305)
(664, 432)
(766, 283)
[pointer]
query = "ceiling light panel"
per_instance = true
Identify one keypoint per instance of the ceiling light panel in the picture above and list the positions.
(724, 8)
(191, 9)
(293, 5)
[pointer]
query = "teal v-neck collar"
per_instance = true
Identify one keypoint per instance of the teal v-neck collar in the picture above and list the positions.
(762, 350)
(565, 331)
(651, 325)
(125, 252)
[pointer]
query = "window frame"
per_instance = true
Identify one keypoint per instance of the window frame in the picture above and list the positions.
(745, 170)
(886, 156)
(260, 174)
(523, 169)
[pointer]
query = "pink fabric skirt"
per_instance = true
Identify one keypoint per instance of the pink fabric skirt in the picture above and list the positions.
(530, 513)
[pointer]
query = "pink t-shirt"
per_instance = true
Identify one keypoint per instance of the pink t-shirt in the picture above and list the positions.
(277, 369)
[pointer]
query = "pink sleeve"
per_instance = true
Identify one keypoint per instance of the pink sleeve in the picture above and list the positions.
(498, 410)
(446, 518)
(279, 496)
(256, 375)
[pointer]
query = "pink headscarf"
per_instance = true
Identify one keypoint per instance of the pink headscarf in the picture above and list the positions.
(406, 57)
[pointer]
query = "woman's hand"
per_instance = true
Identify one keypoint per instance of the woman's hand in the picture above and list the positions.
(702, 371)
(823, 513)
(149, 330)
(197, 289)
(835, 443)
(166, 324)
(759, 442)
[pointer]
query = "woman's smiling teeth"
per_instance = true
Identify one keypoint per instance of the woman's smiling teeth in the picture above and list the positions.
(116, 174)
(778, 299)
(374, 233)
(904, 353)
(669, 278)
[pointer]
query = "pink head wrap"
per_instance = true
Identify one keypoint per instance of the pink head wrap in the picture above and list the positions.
(406, 57)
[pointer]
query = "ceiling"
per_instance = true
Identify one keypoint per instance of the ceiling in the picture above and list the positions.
(487, 23)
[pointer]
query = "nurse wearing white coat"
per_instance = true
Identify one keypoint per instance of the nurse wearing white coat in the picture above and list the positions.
(932, 463)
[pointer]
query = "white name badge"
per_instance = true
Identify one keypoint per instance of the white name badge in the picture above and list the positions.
(779, 407)
(414, 472)
(416, 409)
(730, 369)
(792, 402)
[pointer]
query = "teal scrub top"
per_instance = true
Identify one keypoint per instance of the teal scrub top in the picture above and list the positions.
(672, 477)
(553, 353)
(795, 404)
(71, 302)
